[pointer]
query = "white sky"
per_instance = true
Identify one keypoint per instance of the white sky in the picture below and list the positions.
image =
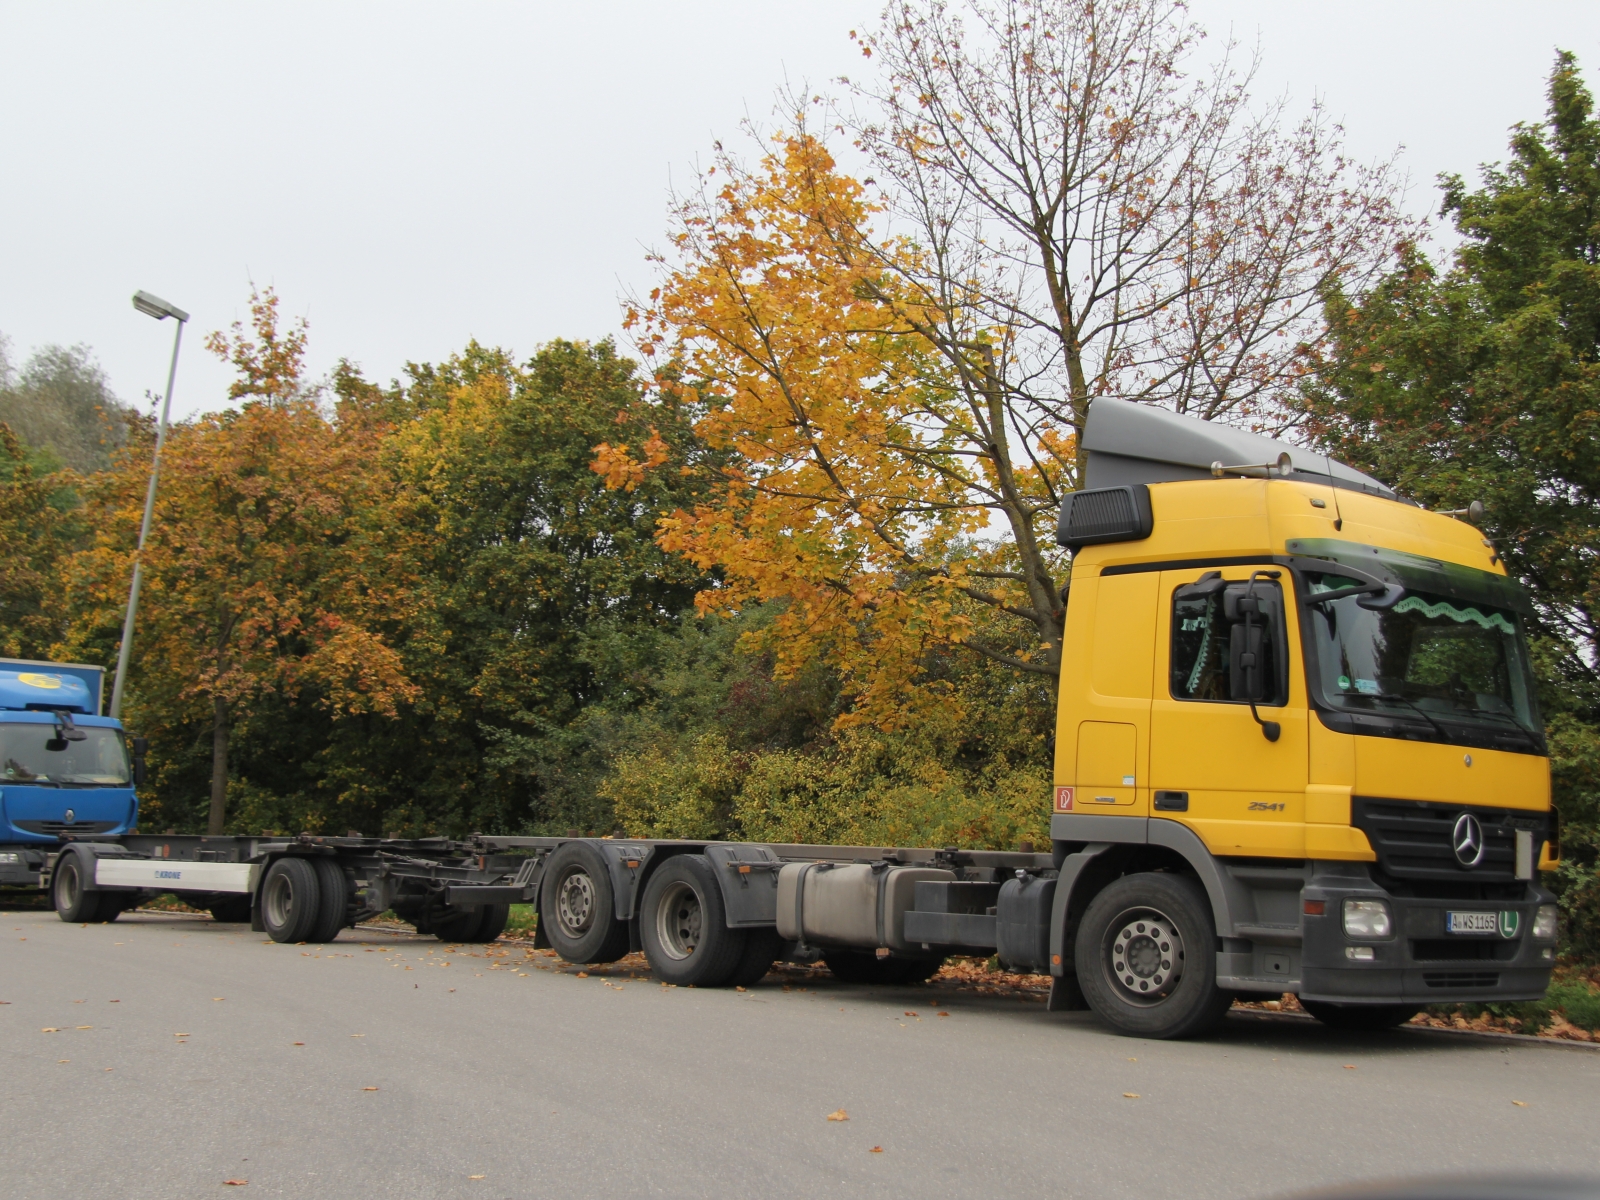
(410, 176)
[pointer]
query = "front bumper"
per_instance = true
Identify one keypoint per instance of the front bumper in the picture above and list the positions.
(20, 866)
(1421, 963)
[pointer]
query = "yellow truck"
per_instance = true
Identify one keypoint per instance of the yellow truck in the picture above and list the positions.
(1297, 750)
(1298, 747)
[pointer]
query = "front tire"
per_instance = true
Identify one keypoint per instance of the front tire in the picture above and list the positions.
(290, 900)
(684, 926)
(577, 907)
(1146, 960)
(1357, 1018)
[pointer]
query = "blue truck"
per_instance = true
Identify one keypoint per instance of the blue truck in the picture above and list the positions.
(65, 771)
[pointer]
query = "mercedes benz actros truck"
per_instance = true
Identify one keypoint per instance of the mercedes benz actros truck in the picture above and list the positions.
(1298, 749)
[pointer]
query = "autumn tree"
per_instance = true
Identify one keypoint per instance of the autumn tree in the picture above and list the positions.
(1062, 206)
(39, 526)
(259, 581)
(1480, 380)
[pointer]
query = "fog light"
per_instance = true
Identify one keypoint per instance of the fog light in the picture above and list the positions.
(1548, 954)
(1366, 919)
(1360, 953)
(1544, 923)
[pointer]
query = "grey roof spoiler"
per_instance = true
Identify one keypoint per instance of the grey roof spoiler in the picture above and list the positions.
(1137, 443)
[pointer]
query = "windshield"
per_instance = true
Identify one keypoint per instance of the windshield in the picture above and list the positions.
(1437, 666)
(37, 754)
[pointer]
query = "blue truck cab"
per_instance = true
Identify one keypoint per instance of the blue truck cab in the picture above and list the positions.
(65, 771)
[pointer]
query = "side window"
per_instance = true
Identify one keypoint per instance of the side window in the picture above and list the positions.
(1224, 633)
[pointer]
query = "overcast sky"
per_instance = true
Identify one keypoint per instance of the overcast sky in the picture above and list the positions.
(409, 176)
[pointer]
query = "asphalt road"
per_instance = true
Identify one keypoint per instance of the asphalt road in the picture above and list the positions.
(161, 1056)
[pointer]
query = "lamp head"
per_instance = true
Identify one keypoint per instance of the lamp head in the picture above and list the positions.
(155, 306)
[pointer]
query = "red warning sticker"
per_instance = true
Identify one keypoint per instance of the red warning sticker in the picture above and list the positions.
(1063, 799)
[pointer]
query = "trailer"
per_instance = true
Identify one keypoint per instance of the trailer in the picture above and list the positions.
(1298, 749)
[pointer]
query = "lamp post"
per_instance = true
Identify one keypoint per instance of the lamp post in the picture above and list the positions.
(151, 306)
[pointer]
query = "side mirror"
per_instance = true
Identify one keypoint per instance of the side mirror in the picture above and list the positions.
(140, 747)
(1247, 678)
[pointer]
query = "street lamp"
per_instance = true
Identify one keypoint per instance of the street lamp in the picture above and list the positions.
(151, 306)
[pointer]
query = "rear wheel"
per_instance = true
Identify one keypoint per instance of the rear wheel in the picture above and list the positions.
(1358, 1017)
(290, 898)
(74, 901)
(684, 926)
(231, 909)
(1145, 961)
(864, 966)
(577, 908)
(762, 947)
(333, 900)
(481, 924)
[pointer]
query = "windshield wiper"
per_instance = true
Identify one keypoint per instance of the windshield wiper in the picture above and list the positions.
(1414, 707)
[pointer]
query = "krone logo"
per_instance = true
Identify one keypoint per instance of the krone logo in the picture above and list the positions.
(1467, 840)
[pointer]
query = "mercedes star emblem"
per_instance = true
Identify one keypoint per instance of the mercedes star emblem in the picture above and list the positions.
(1467, 840)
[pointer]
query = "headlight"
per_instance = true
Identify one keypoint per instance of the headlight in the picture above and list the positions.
(1545, 923)
(1367, 919)
(10, 857)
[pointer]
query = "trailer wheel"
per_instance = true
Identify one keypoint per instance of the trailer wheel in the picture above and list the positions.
(1360, 1017)
(684, 926)
(763, 945)
(231, 909)
(74, 902)
(333, 900)
(1144, 958)
(577, 907)
(290, 898)
(482, 924)
(864, 966)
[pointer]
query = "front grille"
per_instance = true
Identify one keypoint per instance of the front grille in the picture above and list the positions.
(65, 828)
(1461, 979)
(1412, 839)
(1462, 950)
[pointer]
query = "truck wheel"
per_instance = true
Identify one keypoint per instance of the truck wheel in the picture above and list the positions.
(684, 926)
(290, 900)
(333, 900)
(864, 966)
(577, 908)
(74, 902)
(231, 909)
(481, 924)
(762, 947)
(1145, 960)
(1356, 1017)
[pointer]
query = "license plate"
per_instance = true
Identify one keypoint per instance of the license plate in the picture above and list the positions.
(1472, 922)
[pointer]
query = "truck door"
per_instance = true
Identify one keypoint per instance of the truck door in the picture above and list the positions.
(1212, 765)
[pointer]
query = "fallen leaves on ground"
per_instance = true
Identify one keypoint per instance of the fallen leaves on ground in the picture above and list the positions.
(1520, 1103)
(839, 1115)
(369, 1089)
(235, 1182)
(1130, 1095)
(876, 1150)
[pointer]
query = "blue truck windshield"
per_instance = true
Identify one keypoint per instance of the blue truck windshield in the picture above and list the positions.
(1435, 667)
(37, 754)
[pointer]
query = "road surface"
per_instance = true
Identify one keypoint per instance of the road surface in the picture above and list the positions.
(161, 1056)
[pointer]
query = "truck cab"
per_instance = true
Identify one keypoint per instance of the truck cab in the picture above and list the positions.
(1312, 701)
(65, 771)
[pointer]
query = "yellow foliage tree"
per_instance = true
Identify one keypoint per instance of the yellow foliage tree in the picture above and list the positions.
(260, 574)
